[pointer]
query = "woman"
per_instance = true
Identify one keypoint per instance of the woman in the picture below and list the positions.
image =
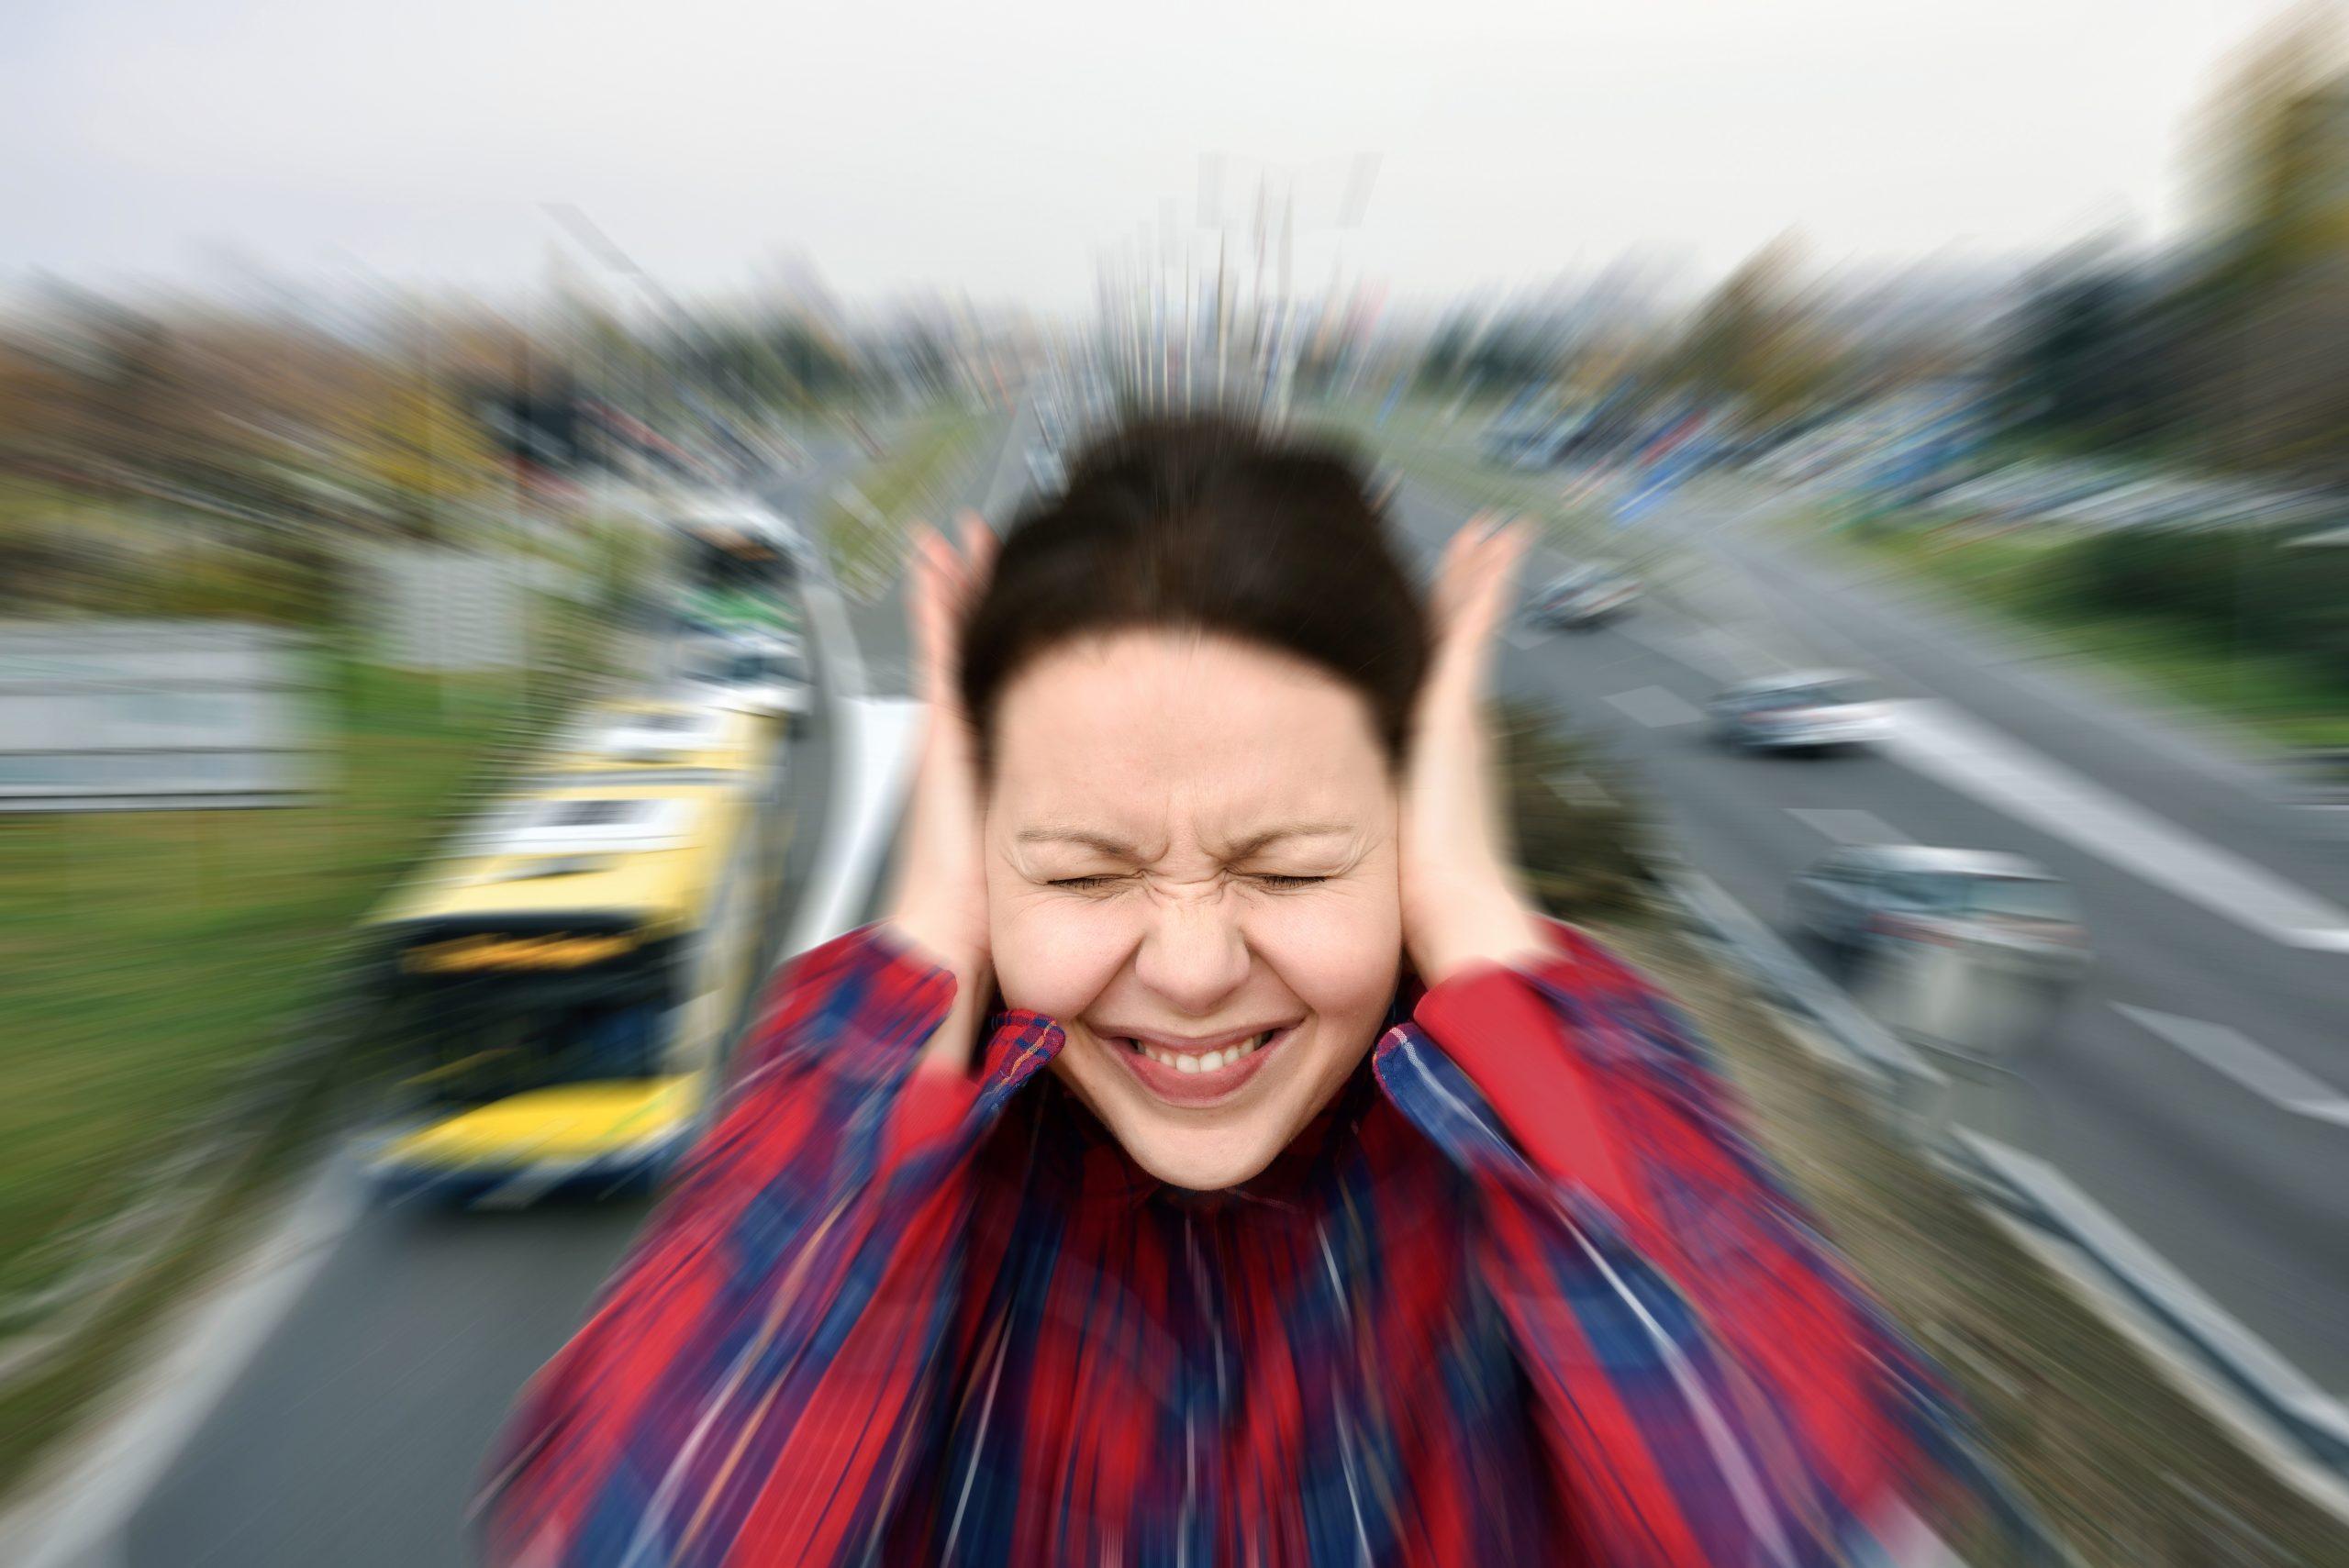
(1212, 1158)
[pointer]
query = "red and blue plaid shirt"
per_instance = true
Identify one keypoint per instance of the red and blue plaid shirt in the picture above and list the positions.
(1525, 1293)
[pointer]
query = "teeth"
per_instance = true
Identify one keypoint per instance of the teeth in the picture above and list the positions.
(1201, 1061)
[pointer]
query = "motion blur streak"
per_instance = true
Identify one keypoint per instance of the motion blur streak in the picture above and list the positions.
(429, 713)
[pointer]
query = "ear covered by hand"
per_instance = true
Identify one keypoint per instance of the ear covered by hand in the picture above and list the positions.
(1461, 903)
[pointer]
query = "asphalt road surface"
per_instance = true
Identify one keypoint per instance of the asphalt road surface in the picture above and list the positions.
(2197, 1087)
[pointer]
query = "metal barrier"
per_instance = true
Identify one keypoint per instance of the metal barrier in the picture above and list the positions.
(1914, 1095)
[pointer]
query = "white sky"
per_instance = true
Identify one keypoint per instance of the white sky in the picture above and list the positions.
(999, 149)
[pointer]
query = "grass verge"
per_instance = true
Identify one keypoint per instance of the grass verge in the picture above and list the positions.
(863, 529)
(159, 968)
(2293, 702)
(150, 956)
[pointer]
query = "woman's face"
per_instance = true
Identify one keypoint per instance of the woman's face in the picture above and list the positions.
(1191, 866)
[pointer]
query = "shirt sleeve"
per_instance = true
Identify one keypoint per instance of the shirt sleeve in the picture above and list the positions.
(1710, 1384)
(752, 1382)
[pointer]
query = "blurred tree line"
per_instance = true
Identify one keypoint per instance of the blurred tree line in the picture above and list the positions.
(2222, 353)
(185, 458)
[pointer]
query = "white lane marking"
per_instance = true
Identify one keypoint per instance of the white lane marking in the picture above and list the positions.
(1656, 706)
(1960, 751)
(1576, 787)
(2230, 1051)
(1849, 827)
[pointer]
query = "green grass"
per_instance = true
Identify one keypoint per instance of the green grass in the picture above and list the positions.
(2291, 702)
(156, 968)
(914, 479)
(150, 956)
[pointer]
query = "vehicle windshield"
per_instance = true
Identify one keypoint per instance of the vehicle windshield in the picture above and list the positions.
(2021, 898)
(469, 1039)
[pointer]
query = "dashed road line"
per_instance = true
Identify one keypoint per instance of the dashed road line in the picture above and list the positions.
(2236, 1055)
(1658, 707)
(1941, 741)
(1849, 827)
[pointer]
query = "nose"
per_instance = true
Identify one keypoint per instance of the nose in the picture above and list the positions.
(1193, 953)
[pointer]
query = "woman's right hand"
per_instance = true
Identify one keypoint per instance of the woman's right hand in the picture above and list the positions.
(940, 902)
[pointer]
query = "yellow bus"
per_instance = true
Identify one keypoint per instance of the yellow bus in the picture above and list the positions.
(653, 738)
(560, 989)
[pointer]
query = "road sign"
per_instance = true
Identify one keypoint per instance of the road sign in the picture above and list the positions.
(101, 715)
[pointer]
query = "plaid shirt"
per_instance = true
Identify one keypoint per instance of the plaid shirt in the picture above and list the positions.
(1524, 1293)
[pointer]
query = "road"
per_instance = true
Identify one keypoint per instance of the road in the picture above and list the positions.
(2197, 1089)
(357, 1435)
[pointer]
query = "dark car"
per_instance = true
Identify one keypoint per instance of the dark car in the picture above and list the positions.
(1589, 596)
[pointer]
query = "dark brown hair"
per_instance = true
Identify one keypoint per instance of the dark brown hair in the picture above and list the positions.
(1215, 525)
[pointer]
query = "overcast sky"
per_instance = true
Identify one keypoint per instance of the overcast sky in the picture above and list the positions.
(1002, 149)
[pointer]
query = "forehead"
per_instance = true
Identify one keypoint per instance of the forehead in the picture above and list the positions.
(1130, 728)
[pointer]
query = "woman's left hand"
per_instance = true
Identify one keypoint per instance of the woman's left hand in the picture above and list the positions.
(1461, 903)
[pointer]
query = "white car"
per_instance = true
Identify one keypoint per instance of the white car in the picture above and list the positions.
(1807, 710)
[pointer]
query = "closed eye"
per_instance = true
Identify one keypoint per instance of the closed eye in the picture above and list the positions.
(1280, 879)
(1093, 884)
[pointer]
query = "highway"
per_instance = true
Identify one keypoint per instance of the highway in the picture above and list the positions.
(2198, 1086)
(356, 1435)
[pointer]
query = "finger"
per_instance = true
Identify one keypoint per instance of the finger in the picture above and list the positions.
(1492, 578)
(979, 545)
(1465, 561)
(930, 593)
(974, 558)
(1482, 588)
(1450, 567)
(919, 536)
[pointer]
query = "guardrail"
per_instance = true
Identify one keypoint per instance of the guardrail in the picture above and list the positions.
(1915, 1096)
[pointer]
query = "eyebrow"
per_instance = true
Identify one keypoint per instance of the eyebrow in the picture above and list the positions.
(1117, 848)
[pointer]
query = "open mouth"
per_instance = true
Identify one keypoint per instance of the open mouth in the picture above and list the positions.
(1194, 1075)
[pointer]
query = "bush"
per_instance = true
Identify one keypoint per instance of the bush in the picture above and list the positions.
(1579, 819)
(2247, 585)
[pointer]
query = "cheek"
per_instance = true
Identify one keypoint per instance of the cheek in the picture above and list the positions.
(1340, 954)
(1053, 955)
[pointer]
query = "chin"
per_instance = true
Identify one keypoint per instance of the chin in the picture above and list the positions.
(1202, 1163)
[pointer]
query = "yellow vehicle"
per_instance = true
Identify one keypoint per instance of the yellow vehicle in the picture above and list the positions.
(651, 738)
(564, 986)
